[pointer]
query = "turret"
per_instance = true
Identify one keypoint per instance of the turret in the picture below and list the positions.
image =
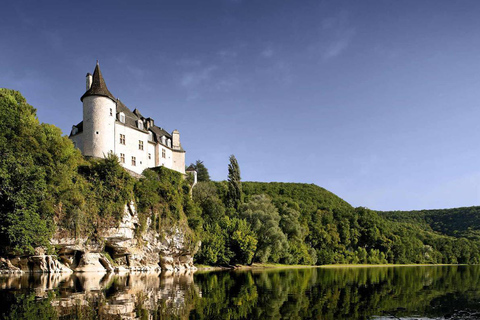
(99, 111)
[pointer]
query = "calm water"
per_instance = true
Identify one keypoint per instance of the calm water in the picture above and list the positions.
(435, 292)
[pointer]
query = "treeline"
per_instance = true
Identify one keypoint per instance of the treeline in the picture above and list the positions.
(305, 224)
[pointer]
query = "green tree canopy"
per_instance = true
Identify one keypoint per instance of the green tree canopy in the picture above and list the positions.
(234, 194)
(202, 171)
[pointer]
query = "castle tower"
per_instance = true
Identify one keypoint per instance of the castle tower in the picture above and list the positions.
(99, 112)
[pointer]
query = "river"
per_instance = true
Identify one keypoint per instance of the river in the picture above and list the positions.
(419, 292)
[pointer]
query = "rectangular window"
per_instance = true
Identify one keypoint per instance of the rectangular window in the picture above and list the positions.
(134, 161)
(122, 157)
(140, 145)
(163, 153)
(149, 156)
(111, 112)
(122, 138)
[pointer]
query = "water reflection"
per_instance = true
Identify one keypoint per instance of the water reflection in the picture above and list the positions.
(344, 293)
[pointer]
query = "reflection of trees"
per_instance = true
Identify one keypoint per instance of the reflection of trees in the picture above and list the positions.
(355, 293)
(336, 293)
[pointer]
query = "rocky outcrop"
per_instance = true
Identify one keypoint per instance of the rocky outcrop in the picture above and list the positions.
(6, 266)
(117, 249)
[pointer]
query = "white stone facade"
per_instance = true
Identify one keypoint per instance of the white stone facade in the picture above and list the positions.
(108, 126)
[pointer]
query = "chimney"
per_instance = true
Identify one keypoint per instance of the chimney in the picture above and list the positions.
(176, 139)
(89, 81)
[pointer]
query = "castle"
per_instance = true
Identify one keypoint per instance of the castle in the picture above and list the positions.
(108, 126)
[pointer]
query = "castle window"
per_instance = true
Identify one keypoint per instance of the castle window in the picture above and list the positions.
(140, 124)
(122, 138)
(134, 161)
(122, 157)
(121, 117)
(149, 156)
(163, 153)
(111, 112)
(140, 145)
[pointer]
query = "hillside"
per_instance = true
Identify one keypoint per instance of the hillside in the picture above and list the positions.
(313, 225)
(455, 222)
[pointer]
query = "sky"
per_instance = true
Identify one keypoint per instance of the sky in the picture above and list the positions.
(376, 101)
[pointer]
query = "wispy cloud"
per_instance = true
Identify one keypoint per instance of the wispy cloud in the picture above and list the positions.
(337, 35)
(198, 77)
(228, 54)
(339, 45)
(189, 62)
(267, 52)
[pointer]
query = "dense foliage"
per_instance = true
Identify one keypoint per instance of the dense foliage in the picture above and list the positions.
(456, 222)
(305, 224)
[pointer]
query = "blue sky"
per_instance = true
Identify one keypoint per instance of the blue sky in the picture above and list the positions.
(376, 101)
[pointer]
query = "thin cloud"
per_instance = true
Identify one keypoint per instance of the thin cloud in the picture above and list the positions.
(267, 53)
(196, 78)
(187, 63)
(228, 54)
(337, 34)
(339, 45)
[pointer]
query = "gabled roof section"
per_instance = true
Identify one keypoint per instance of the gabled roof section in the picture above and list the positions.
(79, 129)
(138, 114)
(98, 88)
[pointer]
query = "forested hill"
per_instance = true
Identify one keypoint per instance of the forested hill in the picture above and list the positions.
(297, 223)
(309, 196)
(456, 222)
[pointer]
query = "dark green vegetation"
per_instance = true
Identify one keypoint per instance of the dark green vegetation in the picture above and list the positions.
(46, 185)
(457, 222)
(305, 224)
(450, 292)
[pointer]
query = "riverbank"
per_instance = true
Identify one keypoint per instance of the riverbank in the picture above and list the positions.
(261, 266)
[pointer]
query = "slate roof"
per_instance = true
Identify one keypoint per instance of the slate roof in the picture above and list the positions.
(98, 88)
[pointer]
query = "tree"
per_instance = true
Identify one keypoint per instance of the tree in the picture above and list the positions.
(234, 194)
(36, 169)
(264, 219)
(202, 171)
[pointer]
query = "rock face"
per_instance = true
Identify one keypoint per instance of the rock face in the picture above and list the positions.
(116, 249)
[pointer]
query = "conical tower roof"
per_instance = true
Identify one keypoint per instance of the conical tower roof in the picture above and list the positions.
(98, 88)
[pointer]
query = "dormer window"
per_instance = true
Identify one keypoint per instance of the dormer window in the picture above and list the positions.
(169, 143)
(150, 136)
(74, 130)
(140, 124)
(163, 140)
(121, 117)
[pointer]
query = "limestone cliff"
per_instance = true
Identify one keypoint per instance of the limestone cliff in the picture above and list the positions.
(118, 249)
